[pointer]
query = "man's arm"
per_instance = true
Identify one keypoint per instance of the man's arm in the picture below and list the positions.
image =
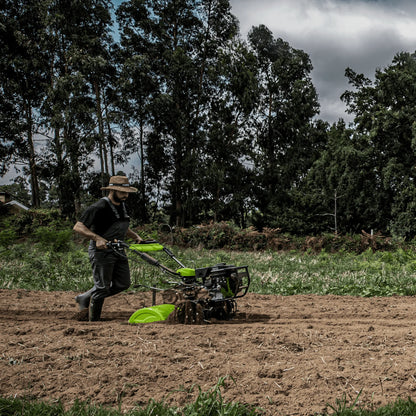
(80, 228)
(134, 236)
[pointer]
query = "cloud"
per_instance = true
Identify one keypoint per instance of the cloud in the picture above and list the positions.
(363, 35)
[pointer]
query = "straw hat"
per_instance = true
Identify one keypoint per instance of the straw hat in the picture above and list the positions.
(119, 183)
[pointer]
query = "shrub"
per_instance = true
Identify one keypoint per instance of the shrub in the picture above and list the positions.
(228, 236)
(26, 223)
(50, 237)
(7, 235)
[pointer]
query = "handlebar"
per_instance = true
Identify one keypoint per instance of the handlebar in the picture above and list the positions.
(117, 245)
(120, 243)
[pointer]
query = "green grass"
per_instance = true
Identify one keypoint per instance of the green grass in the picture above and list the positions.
(208, 403)
(367, 274)
(400, 407)
(33, 266)
(291, 273)
(37, 266)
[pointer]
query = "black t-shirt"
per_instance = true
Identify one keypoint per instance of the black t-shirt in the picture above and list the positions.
(99, 216)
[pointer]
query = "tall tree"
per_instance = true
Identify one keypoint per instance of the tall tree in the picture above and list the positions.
(23, 81)
(77, 36)
(284, 148)
(224, 173)
(385, 118)
(137, 87)
(338, 190)
(182, 39)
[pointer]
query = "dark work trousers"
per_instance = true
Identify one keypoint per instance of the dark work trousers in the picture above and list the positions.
(110, 272)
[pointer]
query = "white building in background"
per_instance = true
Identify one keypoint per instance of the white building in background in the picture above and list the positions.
(12, 205)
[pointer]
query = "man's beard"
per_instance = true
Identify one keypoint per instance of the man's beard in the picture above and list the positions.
(119, 200)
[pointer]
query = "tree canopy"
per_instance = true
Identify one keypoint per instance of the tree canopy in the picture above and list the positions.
(209, 126)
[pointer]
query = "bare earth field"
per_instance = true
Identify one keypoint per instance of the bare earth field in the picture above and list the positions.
(287, 355)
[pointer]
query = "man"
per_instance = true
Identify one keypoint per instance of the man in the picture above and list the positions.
(104, 221)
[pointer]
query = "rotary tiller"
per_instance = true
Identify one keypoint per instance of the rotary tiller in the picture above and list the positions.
(199, 294)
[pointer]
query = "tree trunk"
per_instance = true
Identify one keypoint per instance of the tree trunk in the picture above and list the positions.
(111, 141)
(141, 156)
(59, 174)
(34, 183)
(102, 147)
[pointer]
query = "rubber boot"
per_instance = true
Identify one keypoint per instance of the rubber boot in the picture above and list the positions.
(83, 299)
(96, 305)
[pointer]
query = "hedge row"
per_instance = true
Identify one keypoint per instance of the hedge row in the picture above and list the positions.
(225, 235)
(45, 225)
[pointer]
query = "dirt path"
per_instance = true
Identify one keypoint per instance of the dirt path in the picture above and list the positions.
(287, 355)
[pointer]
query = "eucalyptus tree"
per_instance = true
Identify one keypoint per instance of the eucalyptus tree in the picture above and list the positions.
(284, 146)
(338, 190)
(225, 172)
(385, 119)
(23, 81)
(137, 86)
(78, 38)
(179, 41)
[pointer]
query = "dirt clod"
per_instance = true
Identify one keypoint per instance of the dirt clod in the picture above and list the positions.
(81, 316)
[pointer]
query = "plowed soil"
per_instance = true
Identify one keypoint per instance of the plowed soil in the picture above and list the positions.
(287, 355)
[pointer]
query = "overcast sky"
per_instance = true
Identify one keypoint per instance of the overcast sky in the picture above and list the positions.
(336, 34)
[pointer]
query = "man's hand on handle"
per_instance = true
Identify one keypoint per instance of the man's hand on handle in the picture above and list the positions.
(101, 243)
